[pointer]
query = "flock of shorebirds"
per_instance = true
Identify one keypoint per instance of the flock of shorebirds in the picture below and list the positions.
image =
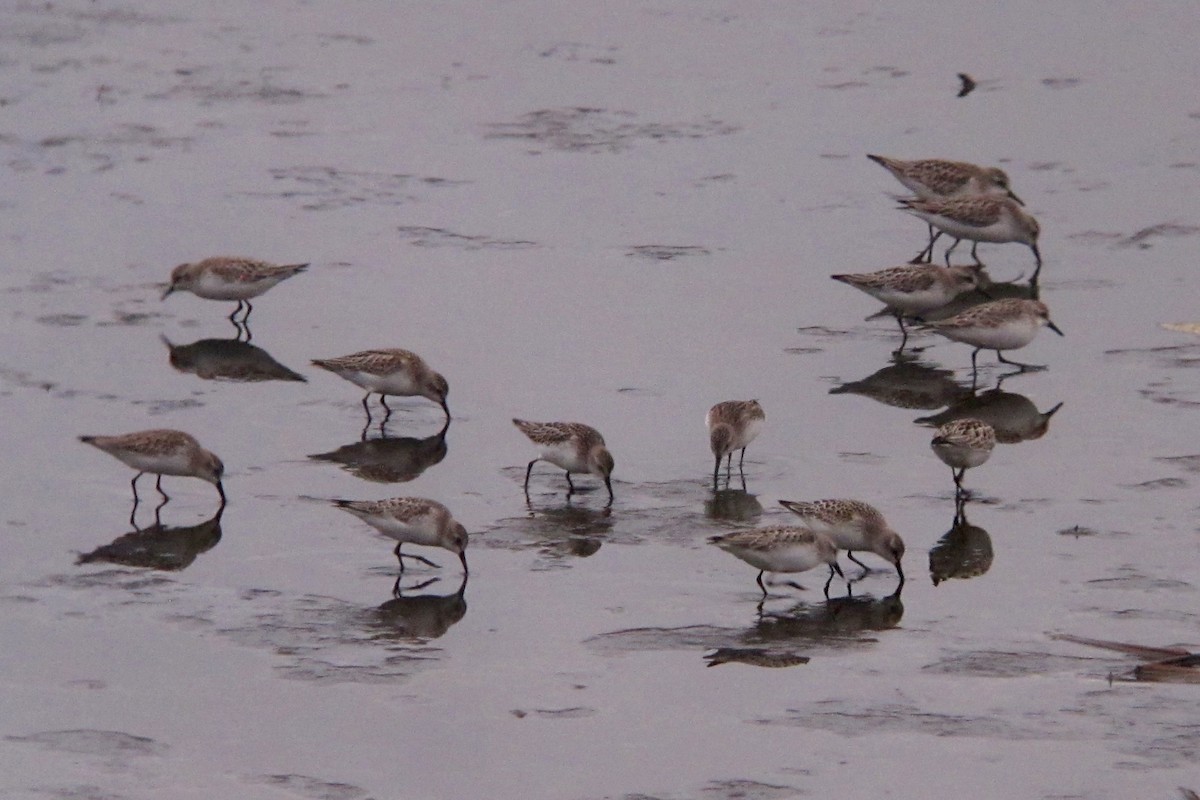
(956, 199)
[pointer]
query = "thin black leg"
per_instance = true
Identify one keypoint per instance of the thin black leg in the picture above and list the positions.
(133, 483)
(950, 250)
(903, 331)
(741, 462)
(716, 471)
(570, 485)
(850, 555)
(158, 485)
(1023, 367)
(926, 255)
(367, 407)
(528, 470)
(236, 309)
(974, 255)
(246, 316)
(760, 583)
(383, 401)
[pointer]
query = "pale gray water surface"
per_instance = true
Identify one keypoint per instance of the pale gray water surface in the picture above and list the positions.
(618, 213)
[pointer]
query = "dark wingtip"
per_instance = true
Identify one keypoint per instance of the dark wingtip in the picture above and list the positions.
(875, 158)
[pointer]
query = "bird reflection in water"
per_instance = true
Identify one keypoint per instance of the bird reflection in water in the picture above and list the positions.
(908, 383)
(566, 530)
(228, 360)
(162, 547)
(839, 616)
(965, 551)
(732, 505)
(421, 616)
(1012, 416)
(387, 459)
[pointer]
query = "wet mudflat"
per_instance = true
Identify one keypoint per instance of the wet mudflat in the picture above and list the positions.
(618, 215)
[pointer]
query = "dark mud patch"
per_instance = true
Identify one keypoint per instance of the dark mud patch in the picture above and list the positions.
(1144, 238)
(596, 130)
(579, 52)
(310, 787)
(112, 745)
(574, 712)
(661, 252)
(440, 237)
(726, 789)
(1001, 664)
(905, 720)
(327, 188)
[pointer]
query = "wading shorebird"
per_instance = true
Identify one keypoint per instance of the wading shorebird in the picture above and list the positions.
(162, 452)
(979, 219)
(732, 425)
(781, 548)
(914, 289)
(852, 525)
(389, 371)
(998, 325)
(412, 520)
(230, 278)
(572, 446)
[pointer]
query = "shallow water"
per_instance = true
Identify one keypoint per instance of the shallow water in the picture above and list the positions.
(620, 215)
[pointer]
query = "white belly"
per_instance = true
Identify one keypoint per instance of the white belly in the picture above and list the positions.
(564, 456)
(211, 287)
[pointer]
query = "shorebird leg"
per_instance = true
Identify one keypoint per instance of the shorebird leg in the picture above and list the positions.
(834, 568)
(926, 255)
(950, 250)
(246, 316)
(158, 485)
(367, 407)
(974, 256)
(850, 555)
(958, 476)
(158, 513)
(133, 483)
(570, 485)
(760, 583)
(1022, 367)
(528, 470)
(463, 558)
(741, 462)
(903, 331)
(608, 485)
(236, 309)
(401, 556)
(383, 402)
(716, 472)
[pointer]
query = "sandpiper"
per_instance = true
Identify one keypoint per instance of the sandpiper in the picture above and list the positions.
(162, 452)
(852, 525)
(998, 325)
(389, 371)
(781, 548)
(979, 218)
(935, 177)
(230, 278)
(732, 425)
(412, 520)
(963, 444)
(572, 446)
(914, 289)
(932, 178)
